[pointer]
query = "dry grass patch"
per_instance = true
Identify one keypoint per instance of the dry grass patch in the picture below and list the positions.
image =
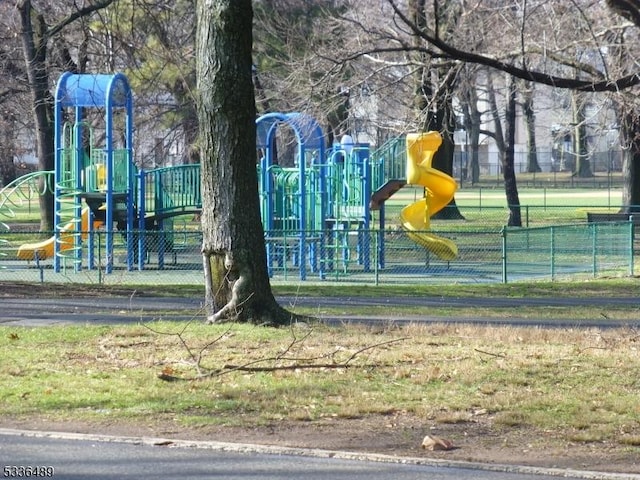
(580, 384)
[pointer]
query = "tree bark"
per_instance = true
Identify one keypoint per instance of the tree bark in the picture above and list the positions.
(530, 118)
(508, 159)
(630, 137)
(233, 249)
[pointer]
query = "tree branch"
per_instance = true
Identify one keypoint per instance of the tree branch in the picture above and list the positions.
(85, 11)
(293, 362)
(523, 73)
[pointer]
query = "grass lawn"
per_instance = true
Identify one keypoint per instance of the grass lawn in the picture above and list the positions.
(583, 383)
(579, 384)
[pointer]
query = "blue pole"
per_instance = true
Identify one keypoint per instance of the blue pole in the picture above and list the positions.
(366, 247)
(130, 176)
(61, 91)
(109, 166)
(302, 193)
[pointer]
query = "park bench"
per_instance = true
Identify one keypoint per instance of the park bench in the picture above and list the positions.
(599, 217)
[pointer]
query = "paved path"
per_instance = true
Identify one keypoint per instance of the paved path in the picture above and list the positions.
(116, 310)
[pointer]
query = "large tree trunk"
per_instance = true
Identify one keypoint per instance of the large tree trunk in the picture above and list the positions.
(630, 136)
(233, 249)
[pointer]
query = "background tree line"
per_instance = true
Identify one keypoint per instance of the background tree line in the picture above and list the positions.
(426, 64)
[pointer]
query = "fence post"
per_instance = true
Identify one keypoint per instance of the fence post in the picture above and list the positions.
(503, 233)
(553, 253)
(631, 237)
(594, 249)
(376, 268)
(99, 259)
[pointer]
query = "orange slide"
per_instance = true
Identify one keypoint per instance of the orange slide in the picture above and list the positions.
(46, 247)
(440, 189)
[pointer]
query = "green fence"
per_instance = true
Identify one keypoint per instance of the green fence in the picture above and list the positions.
(592, 248)
(349, 254)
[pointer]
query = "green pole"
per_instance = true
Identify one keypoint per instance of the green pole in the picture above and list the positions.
(594, 246)
(631, 235)
(503, 233)
(553, 253)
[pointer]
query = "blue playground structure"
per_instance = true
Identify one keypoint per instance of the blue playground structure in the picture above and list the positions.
(308, 209)
(316, 208)
(104, 176)
(117, 197)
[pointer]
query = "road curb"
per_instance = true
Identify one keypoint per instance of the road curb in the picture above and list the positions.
(319, 453)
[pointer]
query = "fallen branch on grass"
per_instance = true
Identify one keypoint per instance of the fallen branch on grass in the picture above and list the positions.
(293, 363)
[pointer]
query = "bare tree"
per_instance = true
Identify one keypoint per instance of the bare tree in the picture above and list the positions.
(505, 140)
(626, 103)
(472, 119)
(508, 157)
(554, 61)
(154, 41)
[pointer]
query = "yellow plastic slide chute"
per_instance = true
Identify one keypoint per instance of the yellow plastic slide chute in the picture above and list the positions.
(46, 247)
(440, 189)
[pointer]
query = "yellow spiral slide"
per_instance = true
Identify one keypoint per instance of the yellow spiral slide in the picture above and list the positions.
(46, 247)
(439, 191)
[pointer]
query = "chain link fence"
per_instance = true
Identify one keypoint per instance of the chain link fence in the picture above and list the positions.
(558, 242)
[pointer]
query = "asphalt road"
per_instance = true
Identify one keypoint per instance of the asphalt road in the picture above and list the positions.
(96, 458)
(112, 310)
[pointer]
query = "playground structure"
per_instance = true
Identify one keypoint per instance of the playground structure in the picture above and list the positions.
(315, 212)
(116, 196)
(99, 175)
(309, 209)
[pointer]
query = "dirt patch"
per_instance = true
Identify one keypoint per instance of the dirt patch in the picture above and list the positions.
(401, 436)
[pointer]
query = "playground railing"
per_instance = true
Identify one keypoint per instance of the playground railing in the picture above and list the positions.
(391, 157)
(171, 189)
(353, 255)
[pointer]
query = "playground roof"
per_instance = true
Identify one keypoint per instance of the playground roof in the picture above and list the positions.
(87, 90)
(307, 130)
